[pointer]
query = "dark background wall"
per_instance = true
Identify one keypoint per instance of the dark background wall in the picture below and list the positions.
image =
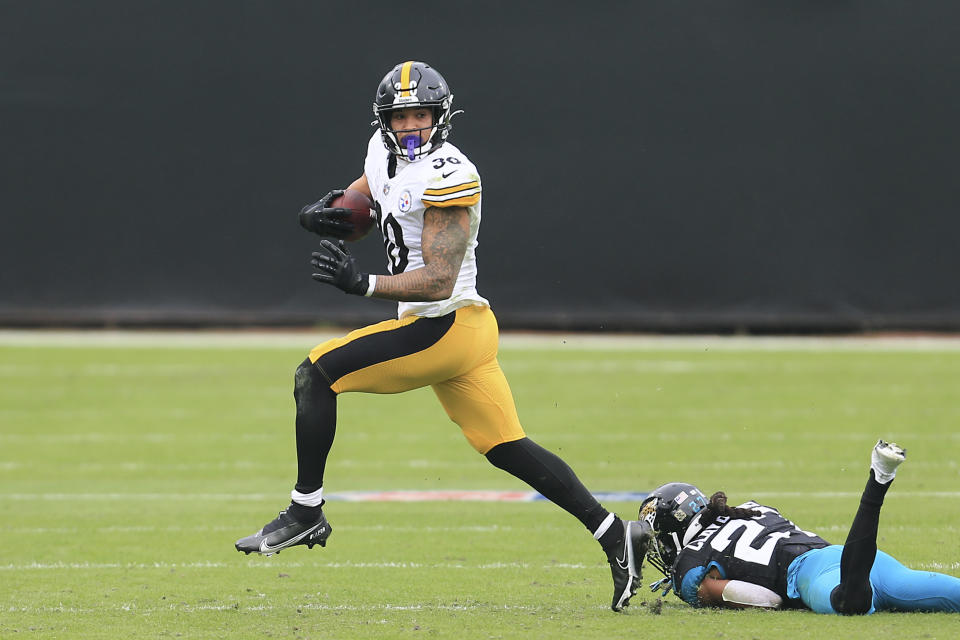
(646, 165)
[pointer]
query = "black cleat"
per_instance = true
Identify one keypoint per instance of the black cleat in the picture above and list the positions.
(285, 531)
(626, 560)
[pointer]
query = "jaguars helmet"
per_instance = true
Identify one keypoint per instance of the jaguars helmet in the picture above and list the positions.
(672, 511)
(413, 84)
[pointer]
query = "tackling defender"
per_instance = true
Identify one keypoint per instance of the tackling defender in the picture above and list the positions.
(751, 556)
(428, 196)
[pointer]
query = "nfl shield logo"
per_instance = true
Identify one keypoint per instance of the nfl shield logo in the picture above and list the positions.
(406, 202)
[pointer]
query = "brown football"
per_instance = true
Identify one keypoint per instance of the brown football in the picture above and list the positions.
(363, 212)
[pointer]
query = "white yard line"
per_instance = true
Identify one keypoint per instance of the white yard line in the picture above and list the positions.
(274, 564)
(305, 338)
(420, 496)
(184, 607)
(260, 563)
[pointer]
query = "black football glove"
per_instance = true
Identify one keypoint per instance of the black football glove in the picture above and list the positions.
(339, 269)
(324, 220)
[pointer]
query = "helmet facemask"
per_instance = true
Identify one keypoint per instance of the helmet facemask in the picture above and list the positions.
(397, 141)
(659, 553)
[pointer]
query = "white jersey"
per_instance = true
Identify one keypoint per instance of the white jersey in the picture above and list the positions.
(444, 178)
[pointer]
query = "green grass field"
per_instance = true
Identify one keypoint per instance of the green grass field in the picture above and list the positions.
(129, 466)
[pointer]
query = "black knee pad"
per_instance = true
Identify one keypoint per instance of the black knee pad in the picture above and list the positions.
(309, 385)
(306, 375)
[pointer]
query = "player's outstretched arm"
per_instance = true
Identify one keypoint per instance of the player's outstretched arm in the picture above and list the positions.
(444, 242)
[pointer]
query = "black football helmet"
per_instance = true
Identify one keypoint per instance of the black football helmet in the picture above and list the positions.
(413, 84)
(672, 511)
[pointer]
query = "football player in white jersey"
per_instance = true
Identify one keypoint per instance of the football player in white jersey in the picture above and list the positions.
(428, 196)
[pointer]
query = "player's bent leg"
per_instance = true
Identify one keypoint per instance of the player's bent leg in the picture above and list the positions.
(480, 402)
(388, 357)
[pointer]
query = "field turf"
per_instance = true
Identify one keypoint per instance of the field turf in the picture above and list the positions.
(129, 465)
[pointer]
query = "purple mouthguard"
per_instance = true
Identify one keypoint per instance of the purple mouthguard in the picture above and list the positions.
(411, 142)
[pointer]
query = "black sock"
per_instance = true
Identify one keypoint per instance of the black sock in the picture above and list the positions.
(304, 514)
(551, 476)
(854, 594)
(316, 425)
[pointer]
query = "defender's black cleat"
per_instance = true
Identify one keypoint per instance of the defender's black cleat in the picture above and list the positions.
(285, 531)
(626, 560)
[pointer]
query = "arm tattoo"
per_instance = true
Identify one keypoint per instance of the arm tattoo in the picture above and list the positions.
(444, 242)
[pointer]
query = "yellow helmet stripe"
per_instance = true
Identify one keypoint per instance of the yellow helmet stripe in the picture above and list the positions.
(405, 78)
